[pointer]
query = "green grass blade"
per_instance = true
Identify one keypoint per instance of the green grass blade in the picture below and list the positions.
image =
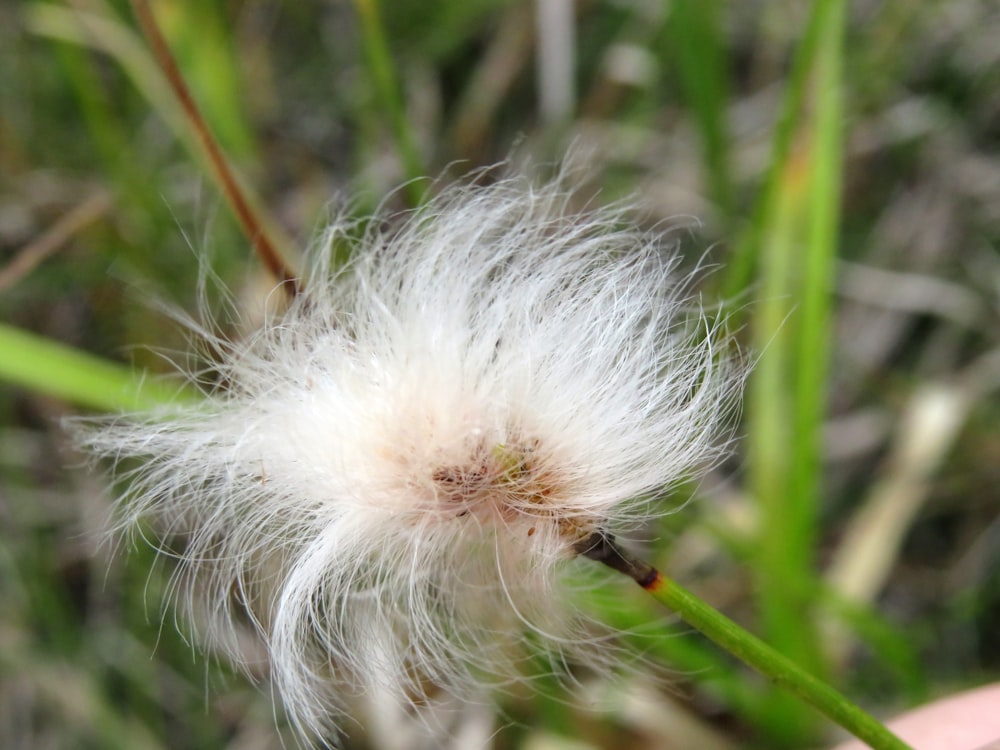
(744, 260)
(782, 562)
(787, 395)
(54, 369)
(818, 261)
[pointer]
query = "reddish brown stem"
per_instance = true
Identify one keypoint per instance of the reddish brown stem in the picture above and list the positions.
(601, 547)
(252, 227)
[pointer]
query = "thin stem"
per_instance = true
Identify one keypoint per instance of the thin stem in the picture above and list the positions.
(27, 258)
(250, 222)
(746, 647)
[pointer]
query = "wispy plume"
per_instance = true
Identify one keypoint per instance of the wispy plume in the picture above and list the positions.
(393, 475)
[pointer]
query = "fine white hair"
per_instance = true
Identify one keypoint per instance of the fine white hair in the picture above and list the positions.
(388, 479)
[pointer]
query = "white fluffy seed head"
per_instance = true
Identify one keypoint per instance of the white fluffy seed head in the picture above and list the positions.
(392, 477)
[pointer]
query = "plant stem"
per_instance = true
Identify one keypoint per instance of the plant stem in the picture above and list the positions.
(250, 220)
(744, 646)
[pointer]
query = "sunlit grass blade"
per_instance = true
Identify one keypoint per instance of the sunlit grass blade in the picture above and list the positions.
(821, 219)
(781, 558)
(48, 367)
(787, 394)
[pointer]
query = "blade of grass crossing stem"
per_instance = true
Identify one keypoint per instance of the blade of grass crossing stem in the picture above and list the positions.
(701, 64)
(54, 369)
(382, 71)
(791, 327)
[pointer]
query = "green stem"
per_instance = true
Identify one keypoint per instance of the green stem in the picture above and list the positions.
(744, 646)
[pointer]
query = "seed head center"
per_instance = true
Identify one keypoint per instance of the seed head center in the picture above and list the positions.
(512, 484)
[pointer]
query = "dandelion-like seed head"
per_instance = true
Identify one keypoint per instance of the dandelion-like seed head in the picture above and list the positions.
(398, 469)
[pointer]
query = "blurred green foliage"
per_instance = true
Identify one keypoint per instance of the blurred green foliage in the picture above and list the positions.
(845, 171)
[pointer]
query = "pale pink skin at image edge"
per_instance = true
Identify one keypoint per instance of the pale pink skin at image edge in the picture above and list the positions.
(966, 721)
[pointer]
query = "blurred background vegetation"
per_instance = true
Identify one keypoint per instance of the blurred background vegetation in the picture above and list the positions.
(839, 163)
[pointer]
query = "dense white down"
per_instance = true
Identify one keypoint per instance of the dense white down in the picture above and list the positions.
(391, 478)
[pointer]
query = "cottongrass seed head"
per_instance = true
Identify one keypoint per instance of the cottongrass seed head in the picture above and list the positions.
(387, 480)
